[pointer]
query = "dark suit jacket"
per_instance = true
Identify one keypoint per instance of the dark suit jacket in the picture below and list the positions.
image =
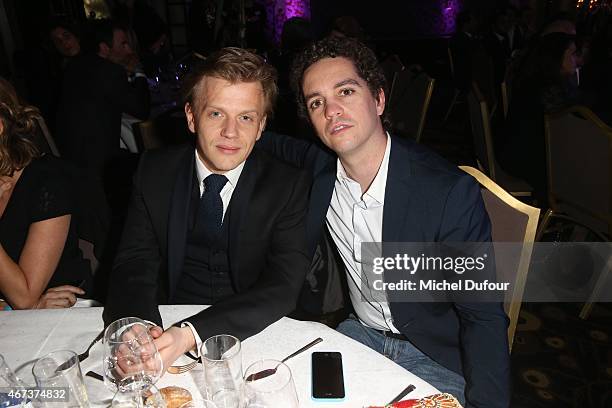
(267, 243)
(426, 200)
(94, 94)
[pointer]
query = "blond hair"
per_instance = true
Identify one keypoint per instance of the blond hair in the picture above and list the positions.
(234, 65)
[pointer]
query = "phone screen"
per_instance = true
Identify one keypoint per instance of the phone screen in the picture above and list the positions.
(327, 375)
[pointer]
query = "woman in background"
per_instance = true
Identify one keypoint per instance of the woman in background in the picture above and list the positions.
(38, 244)
(544, 84)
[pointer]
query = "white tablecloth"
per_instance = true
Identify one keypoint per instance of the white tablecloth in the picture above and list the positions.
(370, 378)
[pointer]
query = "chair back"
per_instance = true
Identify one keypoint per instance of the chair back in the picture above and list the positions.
(391, 66)
(87, 249)
(579, 160)
(411, 96)
(43, 139)
(511, 221)
(483, 75)
(146, 135)
(505, 98)
(481, 131)
(451, 62)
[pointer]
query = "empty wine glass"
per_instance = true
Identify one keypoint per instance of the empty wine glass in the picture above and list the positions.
(275, 390)
(131, 360)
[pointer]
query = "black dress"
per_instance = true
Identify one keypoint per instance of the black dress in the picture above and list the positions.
(44, 191)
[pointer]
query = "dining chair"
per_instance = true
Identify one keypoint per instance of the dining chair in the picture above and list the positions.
(483, 146)
(511, 221)
(147, 135)
(505, 98)
(483, 75)
(412, 90)
(391, 66)
(579, 163)
(458, 96)
(87, 249)
(43, 139)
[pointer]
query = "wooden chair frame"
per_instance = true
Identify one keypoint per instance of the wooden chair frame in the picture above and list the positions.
(47, 135)
(554, 210)
(513, 307)
(488, 138)
(423, 116)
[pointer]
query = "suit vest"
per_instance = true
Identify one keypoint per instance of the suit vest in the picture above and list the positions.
(205, 278)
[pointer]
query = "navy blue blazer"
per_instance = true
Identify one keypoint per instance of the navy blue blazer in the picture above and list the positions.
(426, 200)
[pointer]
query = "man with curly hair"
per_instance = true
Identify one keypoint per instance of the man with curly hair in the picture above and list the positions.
(372, 187)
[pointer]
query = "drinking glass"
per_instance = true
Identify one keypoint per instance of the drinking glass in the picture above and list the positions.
(199, 403)
(274, 390)
(222, 363)
(125, 398)
(10, 382)
(60, 370)
(131, 360)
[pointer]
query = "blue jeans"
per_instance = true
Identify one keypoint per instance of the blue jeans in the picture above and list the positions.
(406, 355)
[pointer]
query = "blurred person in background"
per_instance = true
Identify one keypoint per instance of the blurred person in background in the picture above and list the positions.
(544, 83)
(497, 43)
(65, 39)
(38, 242)
(463, 45)
(99, 87)
(146, 31)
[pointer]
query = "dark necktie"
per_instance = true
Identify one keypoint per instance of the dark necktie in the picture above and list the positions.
(210, 210)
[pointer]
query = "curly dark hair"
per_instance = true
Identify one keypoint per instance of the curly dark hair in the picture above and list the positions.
(362, 57)
(18, 123)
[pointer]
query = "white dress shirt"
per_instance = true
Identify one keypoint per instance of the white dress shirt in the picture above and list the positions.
(353, 218)
(226, 195)
(228, 189)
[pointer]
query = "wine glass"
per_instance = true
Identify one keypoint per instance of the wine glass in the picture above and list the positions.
(131, 360)
(273, 390)
(125, 398)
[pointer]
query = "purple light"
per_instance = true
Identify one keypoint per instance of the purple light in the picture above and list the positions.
(279, 11)
(450, 8)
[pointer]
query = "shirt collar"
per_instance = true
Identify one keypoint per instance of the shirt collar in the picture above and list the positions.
(202, 171)
(377, 189)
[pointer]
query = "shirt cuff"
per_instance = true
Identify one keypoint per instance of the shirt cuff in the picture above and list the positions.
(197, 338)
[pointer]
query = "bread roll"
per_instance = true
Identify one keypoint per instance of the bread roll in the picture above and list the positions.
(175, 396)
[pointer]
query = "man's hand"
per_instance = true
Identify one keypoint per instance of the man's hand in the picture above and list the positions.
(59, 297)
(172, 343)
(137, 355)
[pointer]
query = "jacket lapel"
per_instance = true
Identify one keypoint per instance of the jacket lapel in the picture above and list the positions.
(398, 195)
(178, 219)
(238, 208)
(320, 198)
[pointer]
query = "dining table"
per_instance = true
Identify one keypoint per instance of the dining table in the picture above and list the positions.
(370, 378)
